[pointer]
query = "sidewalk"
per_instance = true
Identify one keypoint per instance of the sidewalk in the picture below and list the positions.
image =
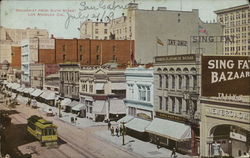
(139, 147)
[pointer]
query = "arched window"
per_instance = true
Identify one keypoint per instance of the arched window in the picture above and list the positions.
(160, 81)
(187, 82)
(180, 81)
(173, 82)
(166, 81)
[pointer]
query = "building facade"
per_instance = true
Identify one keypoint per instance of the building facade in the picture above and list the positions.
(16, 57)
(236, 21)
(102, 90)
(30, 54)
(39, 72)
(69, 80)
(93, 52)
(139, 100)
(13, 37)
(225, 127)
(176, 102)
(176, 31)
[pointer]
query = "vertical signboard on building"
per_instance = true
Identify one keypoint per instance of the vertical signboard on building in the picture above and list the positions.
(225, 76)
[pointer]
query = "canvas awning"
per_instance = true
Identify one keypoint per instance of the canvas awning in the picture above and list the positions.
(20, 89)
(99, 86)
(138, 124)
(65, 102)
(79, 107)
(48, 95)
(118, 86)
(117, 106)
(28, 90)
(37, 92)
(72, 104)
(15, 86)
(99, 107)
(125, 119)
(9, 85)
(88, 98)
(170, 129)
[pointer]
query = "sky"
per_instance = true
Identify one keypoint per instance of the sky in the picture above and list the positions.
(63, 18)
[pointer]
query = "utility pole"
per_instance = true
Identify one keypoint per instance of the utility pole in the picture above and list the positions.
(123, 133)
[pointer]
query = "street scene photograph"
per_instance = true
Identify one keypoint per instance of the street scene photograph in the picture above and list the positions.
(125, 79)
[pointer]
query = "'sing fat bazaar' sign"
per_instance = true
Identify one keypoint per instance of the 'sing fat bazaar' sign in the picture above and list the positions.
(227, 75)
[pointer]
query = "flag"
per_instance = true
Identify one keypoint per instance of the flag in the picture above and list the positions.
(202, 29)
(159, 42)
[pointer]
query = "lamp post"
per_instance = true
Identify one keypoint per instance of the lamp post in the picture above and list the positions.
(123, 133)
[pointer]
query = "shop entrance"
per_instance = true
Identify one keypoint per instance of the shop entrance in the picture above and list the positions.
(229, 140)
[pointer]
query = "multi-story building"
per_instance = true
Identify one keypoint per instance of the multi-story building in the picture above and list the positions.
(13, 37)
(30, 54)
(93, 52)
(175, 31)
(95, 30)
(102, 90)
(176, 100)
(139, 100)
(236, 21)
(69, 80)
(52, 82)
(225, 126)
(16, 57)
(38, 73)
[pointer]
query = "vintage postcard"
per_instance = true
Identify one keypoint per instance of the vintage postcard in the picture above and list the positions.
(124, 78)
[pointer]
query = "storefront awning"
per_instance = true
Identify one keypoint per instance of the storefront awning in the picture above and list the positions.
(99, 86)
(20, 89)
(15, 86)
(125, 119)
(79, 107)
(37, 92)
(65, 102)
(99, 107)
(138, 124)
(117, 106)
(9, 85)
(28, 90)
(48, 95)
(170, 129)
(118, 86)
(72, 104)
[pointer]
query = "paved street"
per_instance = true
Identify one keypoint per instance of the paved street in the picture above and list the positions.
(74, 142)
(84, 138)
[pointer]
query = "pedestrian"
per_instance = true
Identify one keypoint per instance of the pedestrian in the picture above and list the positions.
(121, 130)
(75, 120)
(109, 125)
(173, 154)
(112, 131)
(117, 131)
(158, 143)
(72, 119)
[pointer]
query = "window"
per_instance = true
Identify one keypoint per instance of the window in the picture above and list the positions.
(63, 48)
(114, 58)
(97, 49)
(244, 28)
(132, 111)
(64, 57)
(97, 57)
(166, 103)
(96, 31)
(96, 24)
(105, 24)
(187, 82)
(173, 82)
(195, 82)
(160, 102)
(148, 94)
(105, 31)
(173, 103)
(160, 81)
(81, 48)
(114, 48)
(180, 81)
(166, 81)
(81, 57)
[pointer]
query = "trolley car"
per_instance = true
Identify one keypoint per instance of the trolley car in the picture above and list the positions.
(43, 130)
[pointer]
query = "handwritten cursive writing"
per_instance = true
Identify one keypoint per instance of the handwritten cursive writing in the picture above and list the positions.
(103, 10)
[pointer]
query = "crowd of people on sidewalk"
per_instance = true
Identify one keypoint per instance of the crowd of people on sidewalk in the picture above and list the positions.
(115, 130)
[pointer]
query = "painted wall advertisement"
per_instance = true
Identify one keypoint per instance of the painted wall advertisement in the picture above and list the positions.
(225, 76)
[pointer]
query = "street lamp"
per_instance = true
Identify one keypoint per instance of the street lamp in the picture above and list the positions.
(123, 133)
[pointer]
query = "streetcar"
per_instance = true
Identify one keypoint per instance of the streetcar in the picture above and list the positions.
(43, 130)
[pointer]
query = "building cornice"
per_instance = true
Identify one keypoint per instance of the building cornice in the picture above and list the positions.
(231, 9)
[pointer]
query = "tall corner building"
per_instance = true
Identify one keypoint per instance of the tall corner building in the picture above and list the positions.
(236, 21)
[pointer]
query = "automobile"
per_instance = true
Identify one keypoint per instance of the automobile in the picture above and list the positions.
(34, 104)
(50, 112)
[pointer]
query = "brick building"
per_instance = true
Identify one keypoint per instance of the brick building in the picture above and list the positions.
(16, 57)
(93, 52)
